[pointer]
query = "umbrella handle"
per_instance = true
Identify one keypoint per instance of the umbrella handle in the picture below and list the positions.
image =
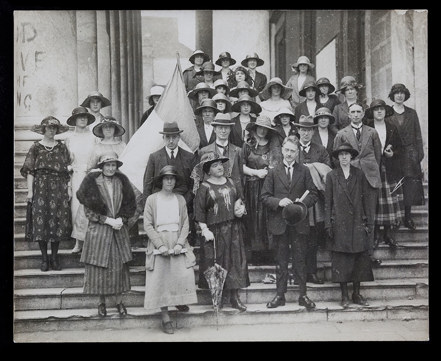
(214, 246)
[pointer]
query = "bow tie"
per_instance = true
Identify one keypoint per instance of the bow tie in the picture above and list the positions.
(222, 146)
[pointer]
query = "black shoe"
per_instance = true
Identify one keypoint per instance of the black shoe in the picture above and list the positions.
(392, 243)
(344, 302)
(182, 308)
(376, 261)
(55, 265)
(102, 312)
(305, 301)
(44, 266)
(408, 222)
(276, 302)
(238, 305)
(359, 299)
(167, 327)
(121, 309)
(312, 278)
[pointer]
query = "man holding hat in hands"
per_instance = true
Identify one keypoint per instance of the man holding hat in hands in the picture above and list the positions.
(283, 194)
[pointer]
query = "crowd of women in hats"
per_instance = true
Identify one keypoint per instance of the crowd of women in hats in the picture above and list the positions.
(358, 166)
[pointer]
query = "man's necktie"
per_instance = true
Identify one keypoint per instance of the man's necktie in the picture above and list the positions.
(358, 133)
(222, 148)
(288, 173)
(172, 155)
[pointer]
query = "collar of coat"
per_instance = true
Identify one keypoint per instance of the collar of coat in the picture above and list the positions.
(89, 195)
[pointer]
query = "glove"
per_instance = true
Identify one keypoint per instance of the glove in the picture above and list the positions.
(163, 250)
(209, 236)
(177, 249)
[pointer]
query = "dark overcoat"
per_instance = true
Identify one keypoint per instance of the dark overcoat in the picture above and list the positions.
(330, 145)
(346, 211)
(317, 153)
(259, 81)
(276, 187)
(302, 109)
(282, 134)
(191, 79)
(98, 206)
(236, 135)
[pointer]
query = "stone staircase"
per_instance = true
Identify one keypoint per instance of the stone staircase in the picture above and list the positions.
(53, 300)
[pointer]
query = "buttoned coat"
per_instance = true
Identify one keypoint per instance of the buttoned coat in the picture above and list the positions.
(276, 187)
(98, 206)
(184, 164)
(296, 99)
(302, 109)
(369, 148)
(346, 211)
(233, 167)
(236, 135)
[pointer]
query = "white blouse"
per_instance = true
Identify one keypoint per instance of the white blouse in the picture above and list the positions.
(381, 130)
(167, 213)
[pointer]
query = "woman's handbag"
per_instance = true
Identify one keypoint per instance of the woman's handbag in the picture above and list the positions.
(28, 225)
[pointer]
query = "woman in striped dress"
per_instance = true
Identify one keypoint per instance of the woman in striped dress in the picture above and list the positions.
(109, 201)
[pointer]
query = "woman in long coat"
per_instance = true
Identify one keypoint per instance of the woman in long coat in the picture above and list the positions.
(348, 221)
(109, 201)
(169, 279)
(409, 129)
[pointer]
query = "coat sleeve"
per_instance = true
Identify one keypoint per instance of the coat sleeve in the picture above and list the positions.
(183, 233)
(418, 137)
(329, 190)
(312, 196)
(377, 146)
(148, 176)
(149, 224)
(267, 193)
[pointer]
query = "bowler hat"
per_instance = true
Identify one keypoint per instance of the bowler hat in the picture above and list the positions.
(109, 157)
(284, 111)
(323, 112)
(155, 90)
(262, 121)
(170, 128)
(255, 108)
(166, 170)
(206, 103)
(286, 91)
(347, 147)
(399, 88)
(78, 112)
(225, 56)
(222, 119)
(96, 94)
(207, 66)
(98, 131)
(243, 85)
(325, 81)
(306, 121)
(222, 97)
(348, 81)
(302, 60)
(307, 85)
(378, 103)
(49, 120)
(199, 52)
(294, 213)
(244, 62)
(200, 87)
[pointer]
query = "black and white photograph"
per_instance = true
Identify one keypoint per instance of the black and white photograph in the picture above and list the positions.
(220, 175)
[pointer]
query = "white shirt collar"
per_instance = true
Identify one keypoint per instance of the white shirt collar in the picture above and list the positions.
(286, 163)
(357, 126)
(175, 151)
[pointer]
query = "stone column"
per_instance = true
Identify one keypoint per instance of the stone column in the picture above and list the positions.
(204, 32)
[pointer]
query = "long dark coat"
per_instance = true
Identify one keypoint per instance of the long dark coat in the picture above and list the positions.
(236, 135)
(259, 81)
(276, 187)
(346, 211)
(191, 79)
(329, 146)
(302, 109)
(98, 206)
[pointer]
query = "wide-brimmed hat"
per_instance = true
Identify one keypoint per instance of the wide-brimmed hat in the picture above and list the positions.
(223, 97)
(109, 157)
(255, 108)
(206, 103)
(199, 52)
(399, 88)
(263, 121)
(307, 85)
(241, 86)
(294, 213)
(208, 159)
(348, 81)
(207, 66)
(222, 119)
(200, 87)
(96, 94)
(221, 82)
(166, 170)
(98, 129)
(286, 91)
(155, 90)
(325, 81)
(323, 112)
(170, 128)
(302, 60)
(369, 113)
(283, 111)
(225, 55)
(347, 147)
(80, 111)
(244, 62)
(49, 120)
(306, 121)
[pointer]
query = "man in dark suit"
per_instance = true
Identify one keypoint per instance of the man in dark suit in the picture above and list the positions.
(365, 139)
(283, 185)
(207, 111)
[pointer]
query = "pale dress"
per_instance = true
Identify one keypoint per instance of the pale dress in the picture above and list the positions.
(271, 107)
(170, 283)
(80, 146)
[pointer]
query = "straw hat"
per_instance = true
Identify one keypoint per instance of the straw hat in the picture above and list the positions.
(347, 147)
(98, 129)
(244, 62)
(306, 121)
(206, 103)
(199, 52)
(199, 87)
(255, 108)
(109, 157)
(49, 120)
(399, 88)
(225, 56)
(323, 112)
(294, 213)
(243, 85)
(378, 103)
(286, 91)
(302, 60)
(78, 112)
(96, 94)
(155, 90)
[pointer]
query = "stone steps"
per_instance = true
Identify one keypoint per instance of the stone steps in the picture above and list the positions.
(256, 293)
(203, 315)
